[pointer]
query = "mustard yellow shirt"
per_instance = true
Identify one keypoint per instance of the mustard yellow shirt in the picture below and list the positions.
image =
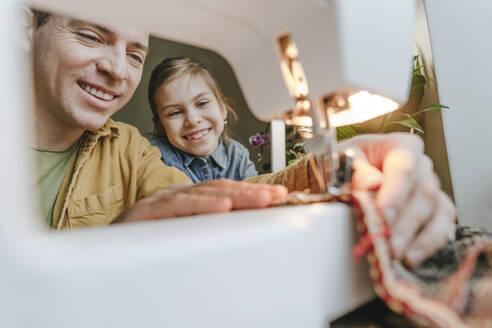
(116, 166)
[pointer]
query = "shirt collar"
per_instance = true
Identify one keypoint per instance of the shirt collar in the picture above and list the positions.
(187, 158)
(220, 155)
(109, 129)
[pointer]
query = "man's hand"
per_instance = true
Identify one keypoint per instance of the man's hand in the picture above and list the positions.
(207, 197)
(420, 215)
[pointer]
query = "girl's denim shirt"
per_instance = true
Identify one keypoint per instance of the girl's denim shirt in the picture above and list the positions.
(229, 161)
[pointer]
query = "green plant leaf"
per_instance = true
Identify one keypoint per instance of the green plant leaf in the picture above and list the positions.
(299, 145)
(292, 161)
(418, 81)
(417, 69)
(345, 132)
(432, 107)
(429, 108)
(410, 123)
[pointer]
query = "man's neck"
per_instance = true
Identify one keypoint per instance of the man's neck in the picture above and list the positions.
(53, 134)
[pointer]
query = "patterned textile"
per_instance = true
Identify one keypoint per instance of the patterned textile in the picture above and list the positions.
(451, 289)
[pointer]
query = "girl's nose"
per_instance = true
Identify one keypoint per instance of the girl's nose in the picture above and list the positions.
(193, 118)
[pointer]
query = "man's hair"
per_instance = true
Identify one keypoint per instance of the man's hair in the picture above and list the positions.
(172, 68)
(40, 16)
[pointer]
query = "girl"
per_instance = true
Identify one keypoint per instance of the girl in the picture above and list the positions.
(189, 115)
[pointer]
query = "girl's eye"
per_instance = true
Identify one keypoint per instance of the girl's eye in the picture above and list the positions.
(89, 37)
(173, 113)
(202, 103)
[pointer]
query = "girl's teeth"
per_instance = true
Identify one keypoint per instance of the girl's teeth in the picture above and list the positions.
(198, 135)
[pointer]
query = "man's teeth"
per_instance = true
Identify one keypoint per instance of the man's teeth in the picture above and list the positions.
(198, 135)
(97, 93)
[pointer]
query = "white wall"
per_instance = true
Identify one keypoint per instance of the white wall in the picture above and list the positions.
(462, 48)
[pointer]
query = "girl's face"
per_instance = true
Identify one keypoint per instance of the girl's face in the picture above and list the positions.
(190, 114)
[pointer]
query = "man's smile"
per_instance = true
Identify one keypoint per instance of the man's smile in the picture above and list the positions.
(97, 91)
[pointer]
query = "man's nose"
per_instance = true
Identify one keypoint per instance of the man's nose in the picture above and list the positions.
(114, 63)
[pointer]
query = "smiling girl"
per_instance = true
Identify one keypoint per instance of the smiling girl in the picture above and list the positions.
(189, 114)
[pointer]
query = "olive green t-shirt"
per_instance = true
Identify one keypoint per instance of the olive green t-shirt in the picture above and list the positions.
(52, 167)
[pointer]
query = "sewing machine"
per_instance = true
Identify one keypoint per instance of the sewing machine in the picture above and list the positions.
(279, 267)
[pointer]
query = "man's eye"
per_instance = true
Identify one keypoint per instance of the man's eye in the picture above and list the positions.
(137, 58)
(89, 37)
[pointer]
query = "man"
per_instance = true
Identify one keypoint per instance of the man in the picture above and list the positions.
(94, 171)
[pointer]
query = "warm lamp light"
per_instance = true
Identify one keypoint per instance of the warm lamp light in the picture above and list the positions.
(344, 108)
(363, 106)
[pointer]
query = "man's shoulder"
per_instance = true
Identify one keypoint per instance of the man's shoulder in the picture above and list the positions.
(125, 127)
(122, 136)
(126, 132)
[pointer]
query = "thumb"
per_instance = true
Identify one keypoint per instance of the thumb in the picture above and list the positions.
(366, 176)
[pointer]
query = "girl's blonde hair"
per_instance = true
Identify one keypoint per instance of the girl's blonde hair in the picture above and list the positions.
(172, 68)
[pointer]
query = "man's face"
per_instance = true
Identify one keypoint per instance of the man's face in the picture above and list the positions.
(84, 72)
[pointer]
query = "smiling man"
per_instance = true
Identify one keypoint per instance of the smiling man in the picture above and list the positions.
(84, 73)
(94, 171)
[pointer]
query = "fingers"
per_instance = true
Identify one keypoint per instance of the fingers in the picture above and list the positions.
(420, 215)
(163, 205)
(184, 204)
(240, 198)
(376, 147)
(386, 161)
(366, 176)
(440, 228)
(413, 217)
(399, 168)
(207, 197)
(243, 195)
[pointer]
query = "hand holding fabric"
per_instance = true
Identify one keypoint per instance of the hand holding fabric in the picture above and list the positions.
(408, 195)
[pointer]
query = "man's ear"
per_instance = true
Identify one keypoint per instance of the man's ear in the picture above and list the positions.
(159, 129)
(26, 28)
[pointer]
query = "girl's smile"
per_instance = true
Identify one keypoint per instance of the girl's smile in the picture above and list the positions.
(198, 135)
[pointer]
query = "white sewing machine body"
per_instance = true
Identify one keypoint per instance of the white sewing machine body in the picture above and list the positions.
(285, 267)
(288, 267)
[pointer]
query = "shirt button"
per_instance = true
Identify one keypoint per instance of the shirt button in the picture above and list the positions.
(205, 171)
